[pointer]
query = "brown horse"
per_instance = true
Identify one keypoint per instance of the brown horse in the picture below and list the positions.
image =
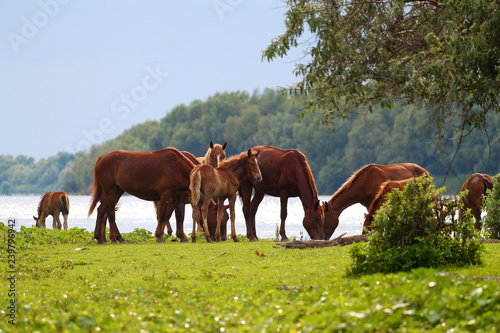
(285, 174)
(362, 187)
(476, 185)
(386, 188)
(161, 176)
(221, 183)
(215, 154)
(53, 203)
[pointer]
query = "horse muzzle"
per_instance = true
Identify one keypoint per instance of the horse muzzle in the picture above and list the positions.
(257, 178)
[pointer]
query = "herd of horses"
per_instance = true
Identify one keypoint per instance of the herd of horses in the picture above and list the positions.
(171, 179)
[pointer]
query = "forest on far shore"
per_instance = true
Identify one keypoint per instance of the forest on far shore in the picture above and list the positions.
(244, 120)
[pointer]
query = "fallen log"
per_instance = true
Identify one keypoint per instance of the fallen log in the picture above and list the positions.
(341, 240)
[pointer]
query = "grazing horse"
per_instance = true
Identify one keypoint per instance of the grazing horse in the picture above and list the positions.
(215, 154)
(386, 188)
(161, 176)
(221, 183)
(476, 185)
(53, 203)
(285, 174)
(362, 187)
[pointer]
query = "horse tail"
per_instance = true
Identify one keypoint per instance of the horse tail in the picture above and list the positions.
(64, 204)
(96, 191)
(195, 186)
(488, 185)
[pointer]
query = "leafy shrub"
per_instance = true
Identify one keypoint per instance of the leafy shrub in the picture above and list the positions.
(139, 235)
(491, 221)
(32, 236)
(417, 227)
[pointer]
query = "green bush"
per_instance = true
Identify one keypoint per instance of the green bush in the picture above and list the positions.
(139, 235)
(491, 221)
(28, 238)
(417, 227)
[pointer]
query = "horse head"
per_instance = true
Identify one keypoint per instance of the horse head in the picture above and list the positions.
(253, 170)
(313, 221)
(216, 154)
(331, 220)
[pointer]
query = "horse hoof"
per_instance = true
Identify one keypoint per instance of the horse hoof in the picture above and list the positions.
(160, 240)
(254, 240)
(236, 240)
(185, 240)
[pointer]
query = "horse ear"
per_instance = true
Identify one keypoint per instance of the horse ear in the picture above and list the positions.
(224, 146)
(258, 153)
(211, 144)
(316, 204)
(326, 207)
(35, 218)
(249, 152)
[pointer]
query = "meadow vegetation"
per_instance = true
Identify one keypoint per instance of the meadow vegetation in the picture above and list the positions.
(68, 283)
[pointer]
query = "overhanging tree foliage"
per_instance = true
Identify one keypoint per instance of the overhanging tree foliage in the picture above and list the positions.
(443, 55)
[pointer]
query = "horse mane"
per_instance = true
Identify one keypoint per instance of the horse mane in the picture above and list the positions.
(229, 161)
(351, 180)
(309, 175)
(184, 157)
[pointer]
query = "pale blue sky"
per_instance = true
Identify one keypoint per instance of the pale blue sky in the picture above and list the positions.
(75, 72)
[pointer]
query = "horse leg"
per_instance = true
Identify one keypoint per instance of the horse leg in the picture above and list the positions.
(232, 200)
(42, 220)
(158, 219)
(161, 207)
(257, 199)
(65, 217)
(179, 219)
(100, 224)
(196, 216)
(165, 210)
(245, 192)
(56, 223)
(111, 200)
(204, 215)
(284, 213)
(477, 215)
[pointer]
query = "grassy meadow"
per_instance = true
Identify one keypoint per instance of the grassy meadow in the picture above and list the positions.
(67, 283)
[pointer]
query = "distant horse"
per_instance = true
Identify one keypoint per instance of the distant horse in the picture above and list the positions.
(53, 203)
(161, 176)
(285, 174)
(221, 183)
(362, 187)
(386, 188)
(215, 154)
(476, 184)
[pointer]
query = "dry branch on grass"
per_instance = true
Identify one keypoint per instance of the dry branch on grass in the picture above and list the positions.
(341, 240)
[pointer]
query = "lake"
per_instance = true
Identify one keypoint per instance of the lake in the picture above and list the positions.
(136, 213)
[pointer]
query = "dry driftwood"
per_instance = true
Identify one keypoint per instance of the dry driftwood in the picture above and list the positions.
(341, 240)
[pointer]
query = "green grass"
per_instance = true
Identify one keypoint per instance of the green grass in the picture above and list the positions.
(238, 287)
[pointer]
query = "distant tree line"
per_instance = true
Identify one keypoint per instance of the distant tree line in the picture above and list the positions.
(245, 120)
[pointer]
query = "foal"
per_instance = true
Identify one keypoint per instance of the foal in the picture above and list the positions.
(221, 182)
(53, 203)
